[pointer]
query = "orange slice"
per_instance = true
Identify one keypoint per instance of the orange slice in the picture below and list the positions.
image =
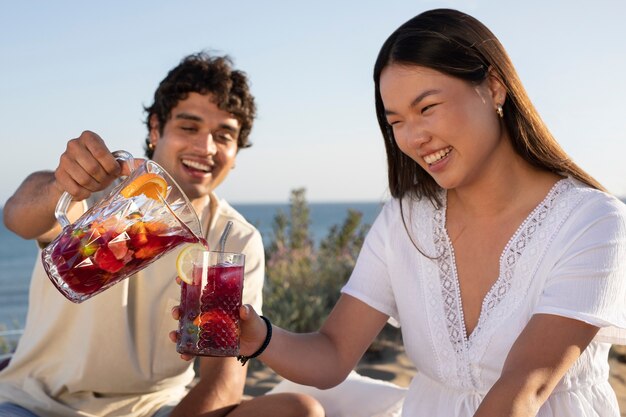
(151, 185)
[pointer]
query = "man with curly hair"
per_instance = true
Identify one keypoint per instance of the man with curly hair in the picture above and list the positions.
(110, 356)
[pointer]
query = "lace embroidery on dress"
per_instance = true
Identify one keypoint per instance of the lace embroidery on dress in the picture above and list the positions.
(449, 286)
(450, 291)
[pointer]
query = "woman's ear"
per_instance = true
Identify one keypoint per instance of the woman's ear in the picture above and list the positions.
(496, 87)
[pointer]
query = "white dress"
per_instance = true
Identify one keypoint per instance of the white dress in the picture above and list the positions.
(568, 258)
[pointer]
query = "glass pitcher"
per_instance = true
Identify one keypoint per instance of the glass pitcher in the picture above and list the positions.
(140, 220)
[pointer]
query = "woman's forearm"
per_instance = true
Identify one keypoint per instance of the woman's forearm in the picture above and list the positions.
(322, 359)
(308, 359)
(512, 396)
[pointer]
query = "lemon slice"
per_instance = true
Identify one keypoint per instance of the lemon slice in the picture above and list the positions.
(149, 184)
(184, 261)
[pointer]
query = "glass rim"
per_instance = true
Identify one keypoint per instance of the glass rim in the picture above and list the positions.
(215, 257)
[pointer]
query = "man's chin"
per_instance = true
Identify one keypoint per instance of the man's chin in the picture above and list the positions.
(194, 193)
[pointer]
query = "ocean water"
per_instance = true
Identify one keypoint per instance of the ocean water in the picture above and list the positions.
(17, 256)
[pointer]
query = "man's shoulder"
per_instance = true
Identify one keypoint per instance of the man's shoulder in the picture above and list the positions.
(227, 212)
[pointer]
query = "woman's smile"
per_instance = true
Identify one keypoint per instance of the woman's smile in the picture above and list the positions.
(437, 156)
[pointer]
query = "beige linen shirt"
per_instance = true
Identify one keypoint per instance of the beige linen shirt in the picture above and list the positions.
(111, 355)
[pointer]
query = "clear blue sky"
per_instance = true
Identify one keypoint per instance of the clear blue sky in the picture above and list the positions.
(68, 66)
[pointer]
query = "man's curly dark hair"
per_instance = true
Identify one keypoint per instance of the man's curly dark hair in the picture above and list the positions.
(202, 73)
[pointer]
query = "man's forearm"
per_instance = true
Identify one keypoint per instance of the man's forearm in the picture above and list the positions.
(218, 391)
(30, 211)
(207, 402)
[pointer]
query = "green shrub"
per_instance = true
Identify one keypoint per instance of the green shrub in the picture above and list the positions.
(8, 339)
(303, 282)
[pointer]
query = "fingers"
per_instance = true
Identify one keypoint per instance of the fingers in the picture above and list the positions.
(248, 314)
(86, 166)
(174, 338)
(176, 312)
(174, 335)
(253, 330)
(244, 312)
(137, 162)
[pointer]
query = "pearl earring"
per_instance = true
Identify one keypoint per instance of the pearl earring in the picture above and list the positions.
(500, 111)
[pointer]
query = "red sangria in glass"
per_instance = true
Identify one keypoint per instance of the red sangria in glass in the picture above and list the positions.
(211, 290)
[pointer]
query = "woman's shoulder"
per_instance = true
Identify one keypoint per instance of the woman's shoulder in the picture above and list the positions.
(594, 201)
(593, 208)
(398, 214)
(411, 202)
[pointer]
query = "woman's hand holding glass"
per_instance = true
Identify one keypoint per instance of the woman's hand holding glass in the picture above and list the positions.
(253, 330)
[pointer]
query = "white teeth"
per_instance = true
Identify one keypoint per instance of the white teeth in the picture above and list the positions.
(197, 165)
(437, 156)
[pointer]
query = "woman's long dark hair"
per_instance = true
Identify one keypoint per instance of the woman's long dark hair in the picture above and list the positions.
(458, 45)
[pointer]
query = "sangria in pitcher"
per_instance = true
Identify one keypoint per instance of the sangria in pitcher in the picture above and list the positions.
(140, 220)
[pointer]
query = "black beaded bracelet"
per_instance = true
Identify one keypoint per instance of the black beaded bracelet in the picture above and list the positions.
(243, 359)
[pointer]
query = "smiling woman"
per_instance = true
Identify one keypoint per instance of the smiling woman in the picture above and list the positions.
(494, 239)
(423, 106)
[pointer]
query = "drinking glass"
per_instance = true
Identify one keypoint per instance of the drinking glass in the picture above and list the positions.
(209, 309)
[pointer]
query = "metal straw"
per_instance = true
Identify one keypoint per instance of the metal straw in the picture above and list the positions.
(225, 235)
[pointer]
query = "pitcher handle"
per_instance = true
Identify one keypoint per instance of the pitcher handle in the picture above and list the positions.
(60, 212)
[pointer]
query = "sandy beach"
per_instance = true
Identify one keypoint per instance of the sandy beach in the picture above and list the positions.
(387, 361)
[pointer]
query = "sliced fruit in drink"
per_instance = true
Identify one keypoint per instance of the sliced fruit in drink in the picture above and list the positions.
(184, 261)
(156, 228)
(88, 248)
(217, 328)
(155, 246)
(149, 184)
(106, 260)
(118, 245)
(138, 234)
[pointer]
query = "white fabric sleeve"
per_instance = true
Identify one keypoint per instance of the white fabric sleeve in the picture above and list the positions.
(370, 280)
(588, 282)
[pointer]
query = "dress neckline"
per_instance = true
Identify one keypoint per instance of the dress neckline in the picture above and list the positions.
(512, 251)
